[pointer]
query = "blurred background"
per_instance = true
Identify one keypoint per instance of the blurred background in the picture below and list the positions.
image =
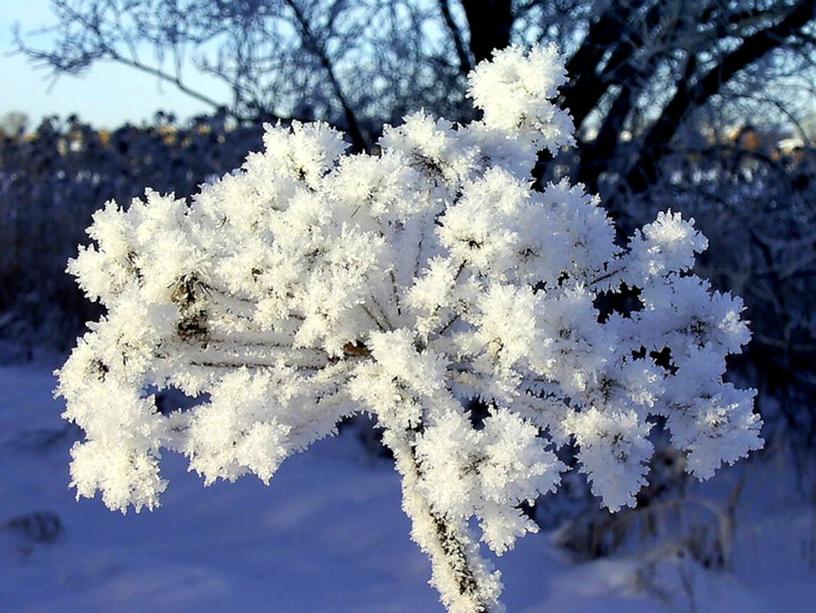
(707, 107)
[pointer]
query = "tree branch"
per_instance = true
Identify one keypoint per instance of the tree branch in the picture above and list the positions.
(312, 43)
(456, 36)
(645, 169)
(586, 87)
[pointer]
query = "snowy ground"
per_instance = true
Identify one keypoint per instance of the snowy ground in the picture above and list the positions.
(328, 535)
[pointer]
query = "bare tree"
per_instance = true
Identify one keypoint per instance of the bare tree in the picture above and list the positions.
(638, 67)
(355, 64)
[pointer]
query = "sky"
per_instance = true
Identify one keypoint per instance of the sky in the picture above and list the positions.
(107, 95)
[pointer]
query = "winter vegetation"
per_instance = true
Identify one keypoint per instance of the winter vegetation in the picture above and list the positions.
(514, 307)
(311, 285)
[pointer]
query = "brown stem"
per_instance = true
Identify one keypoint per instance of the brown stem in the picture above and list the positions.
(465, 581)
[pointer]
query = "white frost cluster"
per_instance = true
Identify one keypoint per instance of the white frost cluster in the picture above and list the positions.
(311, 285)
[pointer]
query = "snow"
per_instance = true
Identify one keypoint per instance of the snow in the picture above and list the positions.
(328, 535)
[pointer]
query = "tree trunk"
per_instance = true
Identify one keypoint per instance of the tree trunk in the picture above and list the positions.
(490, 23)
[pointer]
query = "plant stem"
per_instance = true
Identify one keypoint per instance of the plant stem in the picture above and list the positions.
(466, 582)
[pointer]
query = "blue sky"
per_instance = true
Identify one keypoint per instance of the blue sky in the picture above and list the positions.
(107, 95)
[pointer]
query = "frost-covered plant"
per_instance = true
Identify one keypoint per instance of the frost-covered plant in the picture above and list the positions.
(311, 285)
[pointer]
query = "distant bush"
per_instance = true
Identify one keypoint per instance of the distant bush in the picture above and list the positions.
(53, 179)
